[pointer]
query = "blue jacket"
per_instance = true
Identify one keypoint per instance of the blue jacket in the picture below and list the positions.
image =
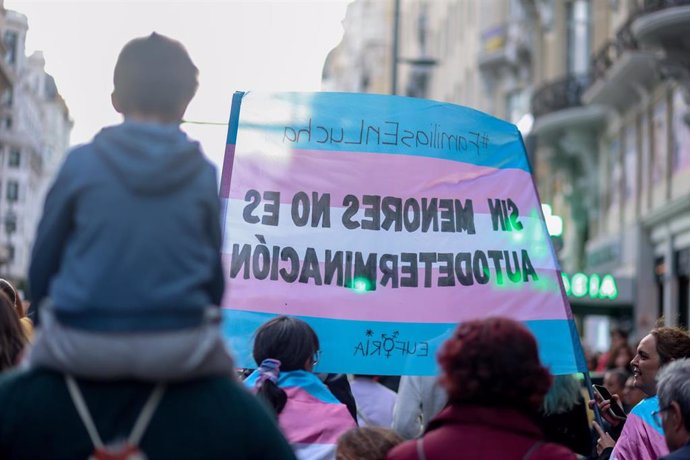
(130, 236)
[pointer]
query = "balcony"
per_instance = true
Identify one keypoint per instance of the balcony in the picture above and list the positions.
(557, 106)
(621, 70)
(503, 45)
(664, 24)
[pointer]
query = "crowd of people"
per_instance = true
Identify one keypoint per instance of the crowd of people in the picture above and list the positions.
(128, 361)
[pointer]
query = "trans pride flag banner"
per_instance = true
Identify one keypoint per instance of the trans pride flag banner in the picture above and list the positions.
(384, 221)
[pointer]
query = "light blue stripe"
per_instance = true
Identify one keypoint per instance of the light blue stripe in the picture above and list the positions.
(233, 123)
(307, 381)
(395, 348)
(644, 410)
(392, 115)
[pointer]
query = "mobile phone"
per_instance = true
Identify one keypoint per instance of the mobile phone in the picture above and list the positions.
(615, 408)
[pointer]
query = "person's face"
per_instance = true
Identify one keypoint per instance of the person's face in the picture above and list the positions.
(674, 427)
(612, 383)
(645, 365)
(631, 394)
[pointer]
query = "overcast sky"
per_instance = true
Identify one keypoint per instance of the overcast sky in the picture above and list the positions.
(237, 45)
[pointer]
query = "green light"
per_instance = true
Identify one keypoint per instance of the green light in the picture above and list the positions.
(361, 285)
(608, 288)
(566, 284)
(595, 286)
(579, 285)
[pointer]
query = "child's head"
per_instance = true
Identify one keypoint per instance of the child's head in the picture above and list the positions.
(154, 78)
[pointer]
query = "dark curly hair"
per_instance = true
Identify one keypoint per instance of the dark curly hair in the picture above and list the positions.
(494, 362)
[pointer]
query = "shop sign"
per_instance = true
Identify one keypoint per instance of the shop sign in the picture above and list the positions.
(595, 286)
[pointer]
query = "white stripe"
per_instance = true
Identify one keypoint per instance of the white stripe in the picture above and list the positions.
(533, 237)
(314, 451)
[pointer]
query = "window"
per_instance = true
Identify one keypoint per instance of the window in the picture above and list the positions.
(681, 133)
(7, 98)
(629, 158)
(659, 142)
(579, 36)
(7, 123)
(15, 158)
(517, 105)
(615, 175)
(11, 41)
(12, 191)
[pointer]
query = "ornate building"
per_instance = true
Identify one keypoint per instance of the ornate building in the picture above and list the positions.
(34, 134)
(601, 91)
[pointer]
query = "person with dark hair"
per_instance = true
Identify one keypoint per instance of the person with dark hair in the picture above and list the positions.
(619, 339)
(673, 384)
(496, 385)
(563, 416)
(12, 338)
(622, 357)
(631, 395)
(207, 418)
(614, 381)
(310, 416)
(130, 240)
(366, 443)
(641, 437)
(13, 295)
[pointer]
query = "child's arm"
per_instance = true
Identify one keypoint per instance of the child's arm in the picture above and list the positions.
(217, 284)
(52, 233)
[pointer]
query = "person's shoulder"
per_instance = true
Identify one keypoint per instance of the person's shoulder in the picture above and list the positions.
(681, 454)
(78, 157)
(646, 406)
(404, 451)
(553, 451)
(25, 382)
(226, 392)
(23, 377)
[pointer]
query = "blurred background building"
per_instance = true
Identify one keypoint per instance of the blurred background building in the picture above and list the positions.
(34, 134)
(600, 89)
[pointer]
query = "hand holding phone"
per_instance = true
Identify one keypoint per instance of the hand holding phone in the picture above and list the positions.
(614, 408)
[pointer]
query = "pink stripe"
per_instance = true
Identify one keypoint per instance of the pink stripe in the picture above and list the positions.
(528, 301)
(306, 419)
(228, 163)
(360, 174)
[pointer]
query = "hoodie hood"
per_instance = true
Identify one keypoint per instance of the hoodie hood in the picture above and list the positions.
(149, 158)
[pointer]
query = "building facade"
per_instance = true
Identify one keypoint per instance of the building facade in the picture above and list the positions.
(34, 135)
(601, 91)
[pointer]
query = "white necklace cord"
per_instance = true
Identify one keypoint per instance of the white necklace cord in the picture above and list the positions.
(140, 425)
